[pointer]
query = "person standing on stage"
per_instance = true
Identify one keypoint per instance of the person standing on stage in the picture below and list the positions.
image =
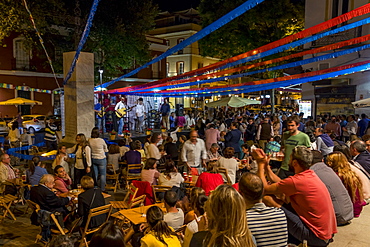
(120, 105)
(100, 117)
(165, 111)
(140, 114)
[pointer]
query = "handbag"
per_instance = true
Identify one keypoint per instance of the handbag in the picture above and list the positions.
(73, 221)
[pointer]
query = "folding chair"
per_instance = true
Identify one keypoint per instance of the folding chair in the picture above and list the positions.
(107, 209)
(36, 208)
(158, 189)
(112, 177)
(133, 176)
(131, 194)
(5, 202)
(225, 175)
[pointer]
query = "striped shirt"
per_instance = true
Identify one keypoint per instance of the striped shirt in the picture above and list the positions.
(268, 225)
(50, 134)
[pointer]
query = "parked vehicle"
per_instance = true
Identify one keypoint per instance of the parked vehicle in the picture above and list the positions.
(32, 123)
(57, 120)
(3, 128)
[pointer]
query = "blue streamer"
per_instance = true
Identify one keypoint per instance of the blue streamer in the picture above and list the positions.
(272, 85)
(284, 66)
(82, 40)
(13, 151)
(199, 35)
(264, 54)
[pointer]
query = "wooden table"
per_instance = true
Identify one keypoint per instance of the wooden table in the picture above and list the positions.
(76, 192)
(138, 215)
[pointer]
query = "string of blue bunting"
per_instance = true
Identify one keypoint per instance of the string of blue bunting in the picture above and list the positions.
(199, 35)
(264, 54)
(82, 40)
(267, 86)
(284, 66)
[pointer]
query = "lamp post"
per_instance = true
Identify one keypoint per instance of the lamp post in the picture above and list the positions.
(102, 120)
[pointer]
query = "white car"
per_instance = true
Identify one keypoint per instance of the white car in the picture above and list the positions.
(3, 128)
(32, 123)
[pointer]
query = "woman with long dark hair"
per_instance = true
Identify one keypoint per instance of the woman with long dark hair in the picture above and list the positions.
(34, 171)
(160, 234)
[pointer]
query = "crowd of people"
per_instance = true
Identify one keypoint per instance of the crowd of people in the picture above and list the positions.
(259, 179)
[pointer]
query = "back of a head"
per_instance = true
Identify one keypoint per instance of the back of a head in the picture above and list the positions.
(303, 155)
(95, 132)
(61, 241)
(316, 157)
(108, 235)
(229, 152)
(46, 178)
(171, 198)
(345, 150)
(360, 146)
(150, 163)
(251, 187)
(200, 204)
(227, 221)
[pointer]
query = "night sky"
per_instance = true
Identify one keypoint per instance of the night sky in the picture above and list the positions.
(176, 5)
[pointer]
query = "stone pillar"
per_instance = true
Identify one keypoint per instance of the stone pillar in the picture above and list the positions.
(79, 96)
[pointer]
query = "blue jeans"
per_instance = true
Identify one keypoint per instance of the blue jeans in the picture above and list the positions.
(120, 126)
(100, 168)
(100, 123)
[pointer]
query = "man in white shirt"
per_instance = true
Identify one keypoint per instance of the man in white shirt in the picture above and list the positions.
(194, 152)
(140, 114)
(175, 216)
(7, 175)
(120, 105)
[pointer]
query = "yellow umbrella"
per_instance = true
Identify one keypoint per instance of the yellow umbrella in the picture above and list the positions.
(20, 101)
(233, 102)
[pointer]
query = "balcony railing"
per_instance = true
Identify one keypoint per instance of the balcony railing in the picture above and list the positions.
(338, 37)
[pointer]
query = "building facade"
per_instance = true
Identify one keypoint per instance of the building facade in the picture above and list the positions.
(334, 95)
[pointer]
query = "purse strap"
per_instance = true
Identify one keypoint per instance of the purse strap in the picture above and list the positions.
(92, 200)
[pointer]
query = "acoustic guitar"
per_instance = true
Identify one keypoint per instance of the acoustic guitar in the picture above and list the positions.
(102, 112)
(123, 111)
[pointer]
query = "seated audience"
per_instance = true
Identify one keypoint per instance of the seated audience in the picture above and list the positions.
(114, 156)
(7, 176)
(108, 234)
(150, 172)
(122, 148)
(170, 177)
(227, 224)
(192, 226)
(159, 233)
(310, 213)
(213, 153)
(62, 180)
(339, 163)
(230, 163)
(323, 141)
(174, 216)
(35, 171)
(133, 156)
(360, 154)
(210, 179)
(267, 224)
(61, 159)
(190, 207)
(90, 198)
(47, 200)
(339, 196)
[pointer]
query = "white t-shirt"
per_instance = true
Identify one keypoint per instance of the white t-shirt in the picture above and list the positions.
(176, 179)
(140, 110)
(231, 165)
(175, 220)
(191, 229)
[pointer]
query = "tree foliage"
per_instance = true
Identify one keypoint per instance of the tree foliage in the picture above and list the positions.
(267, 22)
(117, 36)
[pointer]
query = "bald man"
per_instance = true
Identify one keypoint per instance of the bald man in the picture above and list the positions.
(7, 174)
(194, 153)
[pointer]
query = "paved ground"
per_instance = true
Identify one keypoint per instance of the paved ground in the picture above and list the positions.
(22, 233)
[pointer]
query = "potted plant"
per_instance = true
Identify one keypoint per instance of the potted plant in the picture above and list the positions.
(192, 127)
(149, 131)
(126, 133)
(163, 129)
(112, 135)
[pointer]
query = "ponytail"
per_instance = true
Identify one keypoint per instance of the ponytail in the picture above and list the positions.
(35, 162)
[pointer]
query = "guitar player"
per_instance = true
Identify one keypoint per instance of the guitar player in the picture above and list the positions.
(120, 106)
(100, 116)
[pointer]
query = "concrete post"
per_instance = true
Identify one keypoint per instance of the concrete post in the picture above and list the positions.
(79, 96)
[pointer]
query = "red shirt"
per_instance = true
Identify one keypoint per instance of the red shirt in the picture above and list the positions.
(209, 181)
(311, 200)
